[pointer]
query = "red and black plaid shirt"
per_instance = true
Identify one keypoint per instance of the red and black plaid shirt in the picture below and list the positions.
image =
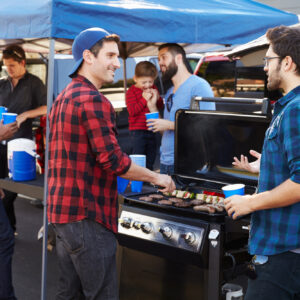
(84, 157)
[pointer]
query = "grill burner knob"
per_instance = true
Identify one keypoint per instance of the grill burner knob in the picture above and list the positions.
(125, 222)
(136, 224)
(166, 231)
(189, 237)
(146, 227)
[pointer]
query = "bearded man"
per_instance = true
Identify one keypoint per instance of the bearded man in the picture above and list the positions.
(175, 67)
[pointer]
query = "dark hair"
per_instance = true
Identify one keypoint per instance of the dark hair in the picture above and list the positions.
(145, 68)
(110, 38)
(285, 41)
(175, 49)
(15, 52)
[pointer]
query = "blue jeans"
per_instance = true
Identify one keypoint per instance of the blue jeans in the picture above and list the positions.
(277, 279)
(144, 142)
(87, 261)
(166, 169)
(6, 253)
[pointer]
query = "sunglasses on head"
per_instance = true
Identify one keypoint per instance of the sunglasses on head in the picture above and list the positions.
(13, 52)
(169, 102)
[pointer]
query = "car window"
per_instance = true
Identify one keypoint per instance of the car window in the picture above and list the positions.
(220, 75)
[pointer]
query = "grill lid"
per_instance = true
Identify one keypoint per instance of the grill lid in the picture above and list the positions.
(207, 141)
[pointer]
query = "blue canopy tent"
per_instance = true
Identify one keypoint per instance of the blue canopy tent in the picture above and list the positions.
(140, 24)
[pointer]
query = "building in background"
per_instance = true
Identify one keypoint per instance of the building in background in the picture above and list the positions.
(292, 6)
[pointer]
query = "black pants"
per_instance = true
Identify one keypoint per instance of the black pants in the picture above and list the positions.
(10, 197)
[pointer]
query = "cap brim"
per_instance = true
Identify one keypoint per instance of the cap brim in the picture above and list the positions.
(76, 66)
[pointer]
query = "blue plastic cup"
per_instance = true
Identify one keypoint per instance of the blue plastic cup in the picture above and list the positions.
(233, 189)
(122, 184)
(152, 115)
(3, 109)
(139, 159)
(9, 118)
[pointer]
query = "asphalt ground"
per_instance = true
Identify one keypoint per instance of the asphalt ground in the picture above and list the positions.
(27, 259)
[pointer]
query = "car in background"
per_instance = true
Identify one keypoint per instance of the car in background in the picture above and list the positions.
(230, 78)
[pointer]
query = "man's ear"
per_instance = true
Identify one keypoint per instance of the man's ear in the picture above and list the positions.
(178, 58)
(87, 56)
(288, 64)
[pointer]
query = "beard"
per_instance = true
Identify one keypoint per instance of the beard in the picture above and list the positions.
(170, 71)
(274, 80)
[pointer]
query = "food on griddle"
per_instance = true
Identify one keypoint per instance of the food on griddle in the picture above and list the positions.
(174, 193)
(180, 194)
(175, 200)
(165, 202)
(221, 201)
(156, 196)
(214, 199)
(205, 208)
(183, 204)
(208, 199)
(185, 195)
(188, 195)
(197, 202)
(146, 198)
(200, 196)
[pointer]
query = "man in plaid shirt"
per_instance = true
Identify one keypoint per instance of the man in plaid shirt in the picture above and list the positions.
(84, 161)
(275, 223)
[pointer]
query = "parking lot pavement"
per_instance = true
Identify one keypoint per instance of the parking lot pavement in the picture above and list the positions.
(27, 260)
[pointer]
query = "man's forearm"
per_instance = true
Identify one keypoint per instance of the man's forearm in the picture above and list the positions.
(285, 194)
(40, 111)
(136, 172)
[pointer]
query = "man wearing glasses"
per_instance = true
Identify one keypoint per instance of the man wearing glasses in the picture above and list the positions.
(275, 224)
(175, 67)
(24, 94)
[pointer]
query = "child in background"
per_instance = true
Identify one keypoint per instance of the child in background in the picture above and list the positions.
(142, 98)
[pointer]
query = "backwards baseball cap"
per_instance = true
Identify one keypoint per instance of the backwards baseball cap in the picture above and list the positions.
(86, 39)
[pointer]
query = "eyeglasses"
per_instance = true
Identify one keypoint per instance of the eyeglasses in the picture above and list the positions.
(169, 102)
(266, 60)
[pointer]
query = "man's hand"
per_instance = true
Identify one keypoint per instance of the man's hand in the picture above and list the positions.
(22, 118)
(166, 182)
(159, 125)
(7, 130)
(237, 205)
(244, 164)
(2, 195)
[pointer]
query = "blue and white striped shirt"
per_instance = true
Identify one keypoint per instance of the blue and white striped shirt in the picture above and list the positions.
(277, 230)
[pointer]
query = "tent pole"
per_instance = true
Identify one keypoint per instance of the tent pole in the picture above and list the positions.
(50, 80)
(124, 75)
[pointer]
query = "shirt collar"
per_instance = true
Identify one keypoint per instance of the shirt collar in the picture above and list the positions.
(286, 99)
(82, 79)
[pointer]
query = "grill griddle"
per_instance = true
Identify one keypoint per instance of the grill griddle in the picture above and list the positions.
(184, 211)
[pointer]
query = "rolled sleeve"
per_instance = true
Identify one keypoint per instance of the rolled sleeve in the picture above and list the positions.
(291, 139)
(99, 122)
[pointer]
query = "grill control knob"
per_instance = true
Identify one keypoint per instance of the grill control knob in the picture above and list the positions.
(146, 227)
(189, 237)
(166, 231)
(136, 225)
(126, 222)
